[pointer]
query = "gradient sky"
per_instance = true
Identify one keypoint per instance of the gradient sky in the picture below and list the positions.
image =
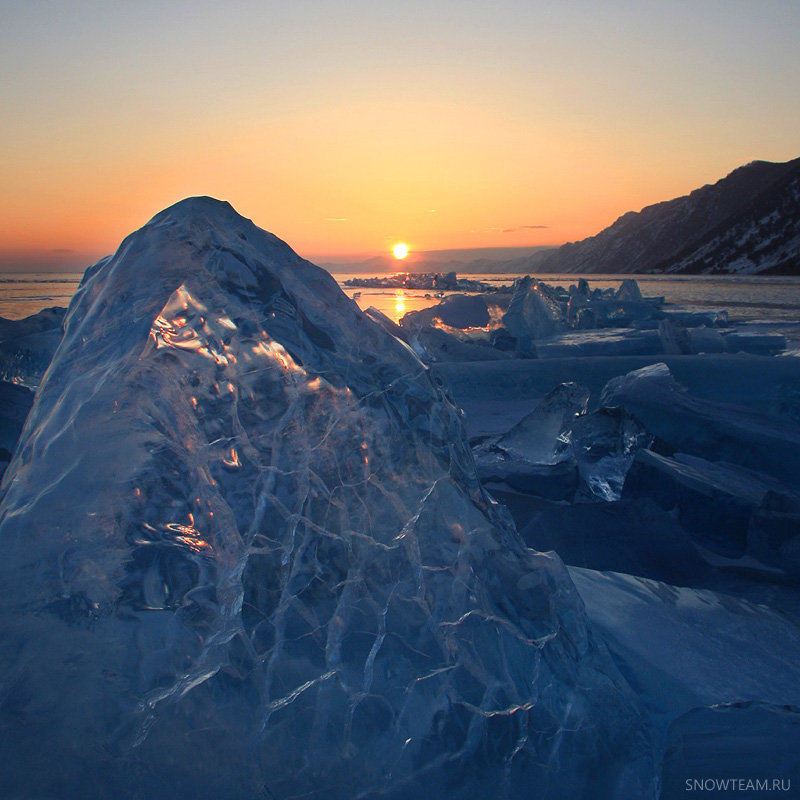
(344, 127)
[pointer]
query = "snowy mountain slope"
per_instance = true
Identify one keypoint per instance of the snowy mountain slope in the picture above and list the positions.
(246, 554)
(748, 222)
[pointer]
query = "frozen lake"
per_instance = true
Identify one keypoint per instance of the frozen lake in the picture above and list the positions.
(775, 298)
(23, 294)
(744, 297)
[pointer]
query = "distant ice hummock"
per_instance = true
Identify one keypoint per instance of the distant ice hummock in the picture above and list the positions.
(246, 554)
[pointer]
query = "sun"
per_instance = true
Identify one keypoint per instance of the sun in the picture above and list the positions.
(400, 250)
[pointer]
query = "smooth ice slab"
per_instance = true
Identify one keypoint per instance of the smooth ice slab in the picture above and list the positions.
(711, 430)
(721, 505)
(684, 648)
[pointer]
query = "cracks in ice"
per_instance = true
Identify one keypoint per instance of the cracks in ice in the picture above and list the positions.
(293, 529)
(281, 702)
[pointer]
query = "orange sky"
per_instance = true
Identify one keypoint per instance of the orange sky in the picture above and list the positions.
(345, 131)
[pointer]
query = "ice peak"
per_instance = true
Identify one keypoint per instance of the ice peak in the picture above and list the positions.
(200, 208)
(209, 223)
(204, 246)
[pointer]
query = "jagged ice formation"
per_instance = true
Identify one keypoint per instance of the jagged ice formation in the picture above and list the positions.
(246, 554)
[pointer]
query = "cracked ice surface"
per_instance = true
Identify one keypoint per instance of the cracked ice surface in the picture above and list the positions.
(246, 554)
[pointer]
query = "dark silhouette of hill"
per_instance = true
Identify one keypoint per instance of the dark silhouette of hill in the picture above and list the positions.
(748, 222)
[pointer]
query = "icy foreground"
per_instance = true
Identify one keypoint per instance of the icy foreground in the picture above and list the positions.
(246, 554)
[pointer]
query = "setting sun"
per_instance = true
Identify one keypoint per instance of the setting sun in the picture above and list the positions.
(400, 250)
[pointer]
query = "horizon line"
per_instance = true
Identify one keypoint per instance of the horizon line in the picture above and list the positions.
(38, 263)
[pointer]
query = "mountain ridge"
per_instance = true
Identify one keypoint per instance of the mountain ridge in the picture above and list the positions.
(746, 223)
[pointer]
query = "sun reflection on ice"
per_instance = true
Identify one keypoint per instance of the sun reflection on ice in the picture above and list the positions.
(399, 304)
(233, 462)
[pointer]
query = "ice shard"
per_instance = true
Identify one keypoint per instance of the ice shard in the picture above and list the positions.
(246, 554)
(535, 311)
(558, 448)
(543, 436)
(604, 444)
(455, 311)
